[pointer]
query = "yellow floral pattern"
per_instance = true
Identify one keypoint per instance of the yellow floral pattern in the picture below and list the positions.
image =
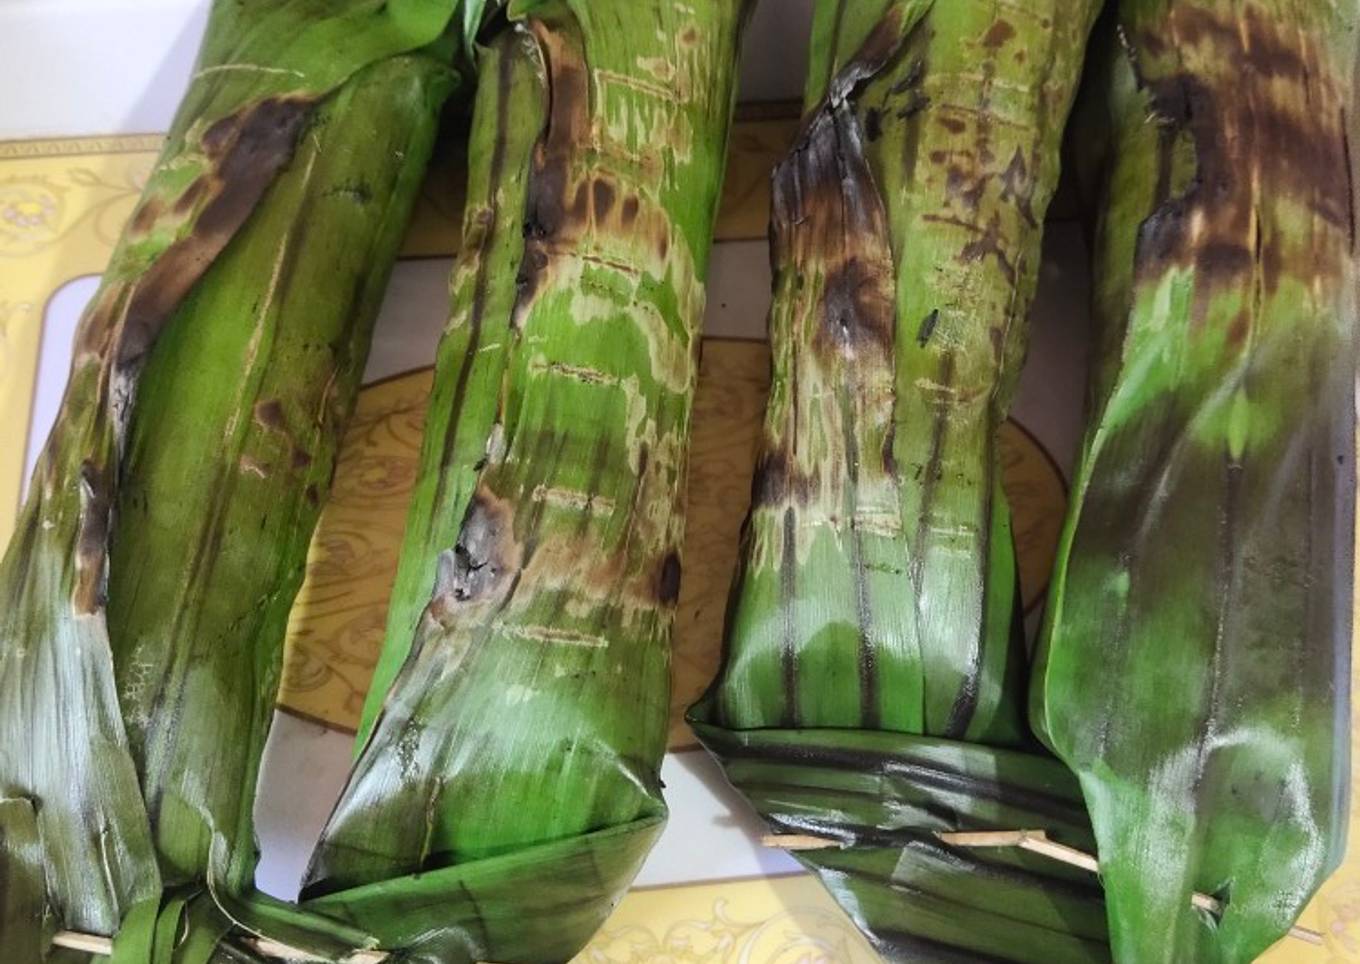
(776, 920)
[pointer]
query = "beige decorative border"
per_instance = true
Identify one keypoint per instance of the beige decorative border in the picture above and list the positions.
(82, 146)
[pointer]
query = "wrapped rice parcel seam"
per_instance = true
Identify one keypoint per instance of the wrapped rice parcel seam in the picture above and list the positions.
(1194, 667)
(507, 785)
(239, 299)
(875, 617)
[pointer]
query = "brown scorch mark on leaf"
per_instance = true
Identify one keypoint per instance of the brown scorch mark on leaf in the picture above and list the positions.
(857, 307)
(269, 416)
(989, 243)
(778, 479)
(998, 34)
(245, 152)
(668, 579)
(604, 197)
(191, 197)
(482, 566)
(148, 213)
(91, 539)
(1273, 130)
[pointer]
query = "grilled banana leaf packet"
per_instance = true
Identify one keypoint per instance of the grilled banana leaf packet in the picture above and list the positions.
(1194, 666)
(873, 686)
(144, 595)
(507, 781)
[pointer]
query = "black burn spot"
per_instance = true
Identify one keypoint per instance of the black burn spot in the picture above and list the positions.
(668, 579)
(477, 563)
(91, 538)
(889, 455)
(927, 328)
(603, 196)
(777, 479)
(873, 123)
(543, 211)
(269, 415)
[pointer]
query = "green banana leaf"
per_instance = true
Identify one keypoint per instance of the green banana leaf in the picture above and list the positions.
(1195, 662)
(875, 616)
(507, 783)
(178, 489)
(882, 797)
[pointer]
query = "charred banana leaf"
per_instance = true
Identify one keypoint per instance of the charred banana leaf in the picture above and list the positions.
(873, 686)
(144, 593)
(1196, 663)
(508, 772)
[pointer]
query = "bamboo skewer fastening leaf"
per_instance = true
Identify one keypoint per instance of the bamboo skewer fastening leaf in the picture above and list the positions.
(872, 690)
(1195, 665)
(516, 724)
(1035, 841)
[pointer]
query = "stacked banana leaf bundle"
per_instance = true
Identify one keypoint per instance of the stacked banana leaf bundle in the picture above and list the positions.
(149, 582)
(873, 690)
(1193, 672)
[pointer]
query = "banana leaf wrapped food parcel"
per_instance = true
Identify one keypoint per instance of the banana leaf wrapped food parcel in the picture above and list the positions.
(1194, 665)
(146, 588)
(873, 688)
(507, 787)
(513, 735)
(558, 446)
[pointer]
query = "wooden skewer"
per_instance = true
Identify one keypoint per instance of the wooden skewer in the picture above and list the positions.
(1035, 841)
(268, 948)
(89, 943)
(95, 944)
(797, 841)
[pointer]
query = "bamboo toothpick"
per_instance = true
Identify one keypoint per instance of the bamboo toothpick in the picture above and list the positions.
(95, 944)
(797, 841)
(1035, 841)
(89, 943)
